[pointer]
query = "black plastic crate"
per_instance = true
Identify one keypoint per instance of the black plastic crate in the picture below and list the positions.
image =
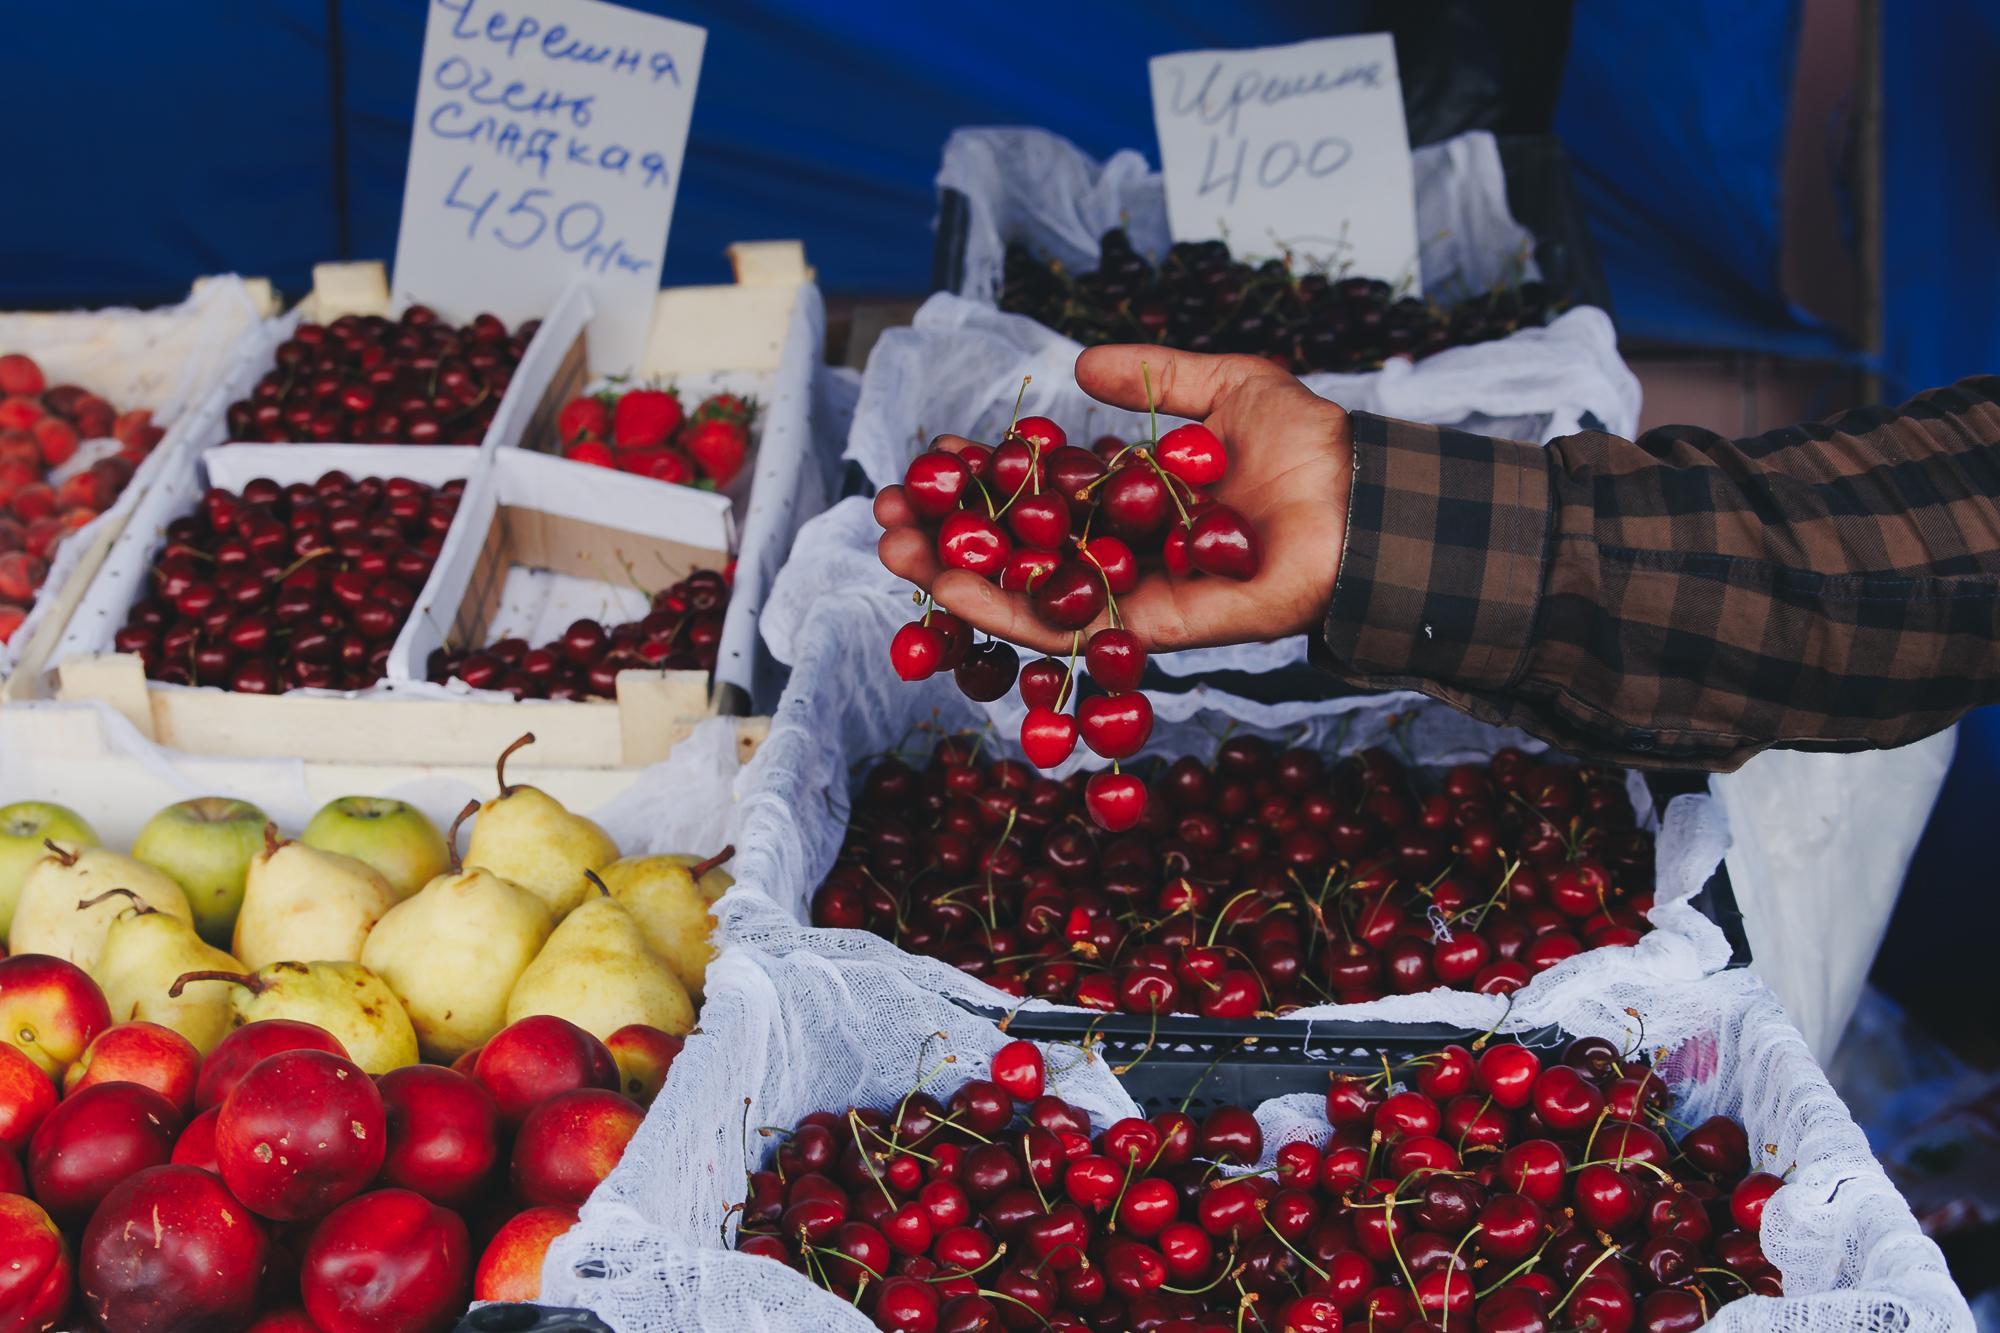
(1540, 195)
(1216, 1062)
(1203, 1063)
(520, 1317)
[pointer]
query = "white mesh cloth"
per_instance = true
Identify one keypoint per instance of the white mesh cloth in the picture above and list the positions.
(784, 1036)
(831, 617)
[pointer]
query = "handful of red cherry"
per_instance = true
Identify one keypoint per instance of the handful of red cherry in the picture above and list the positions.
(1488, 1191)
(1071, 528)
(1265, 881)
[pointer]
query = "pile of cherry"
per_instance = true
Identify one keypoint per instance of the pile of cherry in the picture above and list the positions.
(1488, 1192)
(41, 429)
(1071, 528)
(1262, 882)
(681, 632)
(367, 379)
(287, 587)
(1201, 299)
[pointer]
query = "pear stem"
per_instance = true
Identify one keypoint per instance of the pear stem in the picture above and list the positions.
(138, 903)
(591, 875)
(500, 764)
(62, 854)
(702, 868)
(451, 838)
(255, 983)
(272, 842)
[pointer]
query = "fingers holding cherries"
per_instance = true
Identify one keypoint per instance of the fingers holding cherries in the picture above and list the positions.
(1094, 554)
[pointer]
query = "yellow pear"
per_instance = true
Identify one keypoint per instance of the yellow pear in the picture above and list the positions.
(25, 830)
(300, 903)
(663, 894)
(452, 952)
(526, 837)
(145, 951)
(64, 909)
(344, 998)
(597, 972)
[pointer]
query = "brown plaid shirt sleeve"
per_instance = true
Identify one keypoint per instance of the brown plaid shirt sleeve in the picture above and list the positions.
(1685, 599)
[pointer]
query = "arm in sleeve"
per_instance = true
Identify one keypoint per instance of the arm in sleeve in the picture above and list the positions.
(1684, 600)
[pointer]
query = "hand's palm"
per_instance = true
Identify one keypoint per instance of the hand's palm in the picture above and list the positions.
(1289, 470)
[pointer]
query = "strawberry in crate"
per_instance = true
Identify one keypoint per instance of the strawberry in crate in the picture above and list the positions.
(648, 431)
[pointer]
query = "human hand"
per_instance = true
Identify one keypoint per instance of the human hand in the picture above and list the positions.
(1290, 467)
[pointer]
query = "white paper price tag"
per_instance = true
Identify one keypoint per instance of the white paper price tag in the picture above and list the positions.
(1300, 148)
(547, 147)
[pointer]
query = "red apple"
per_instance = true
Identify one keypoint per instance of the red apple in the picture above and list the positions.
(34, 1279)
(444, 1132)
(643, 1054)
(236, 1053)
(50, 1009)
(13, 1180)
(94, 1140)
(169, 1249)
(196, 1145)
(387, 1262)
(26, 1097)
(570, 1143)
(300, 1133)
(531, 1061)
(511, 1267)
(466, 1063)
(145, 1053)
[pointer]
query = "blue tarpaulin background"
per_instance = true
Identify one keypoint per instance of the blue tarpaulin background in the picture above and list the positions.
(152, 143)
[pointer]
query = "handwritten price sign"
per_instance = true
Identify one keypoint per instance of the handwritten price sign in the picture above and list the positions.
(1300, 148)
(547, 149)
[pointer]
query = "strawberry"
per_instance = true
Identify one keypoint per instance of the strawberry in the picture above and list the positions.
(594, 452)
(727, 407)
(718, 446)
(661, 464)
(583, 418)
(646, 418)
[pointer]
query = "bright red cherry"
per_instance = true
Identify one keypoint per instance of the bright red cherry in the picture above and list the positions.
(1193, 453)
(973, 542)
(935, 484)
(1115, 659)
(917, 651)
(1116, 801)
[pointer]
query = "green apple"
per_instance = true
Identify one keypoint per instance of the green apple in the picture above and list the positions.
(205, 846)
(402, 845)
(24, 826)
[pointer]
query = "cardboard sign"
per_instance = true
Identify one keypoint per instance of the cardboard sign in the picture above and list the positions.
(1300, 148)
(547, 147)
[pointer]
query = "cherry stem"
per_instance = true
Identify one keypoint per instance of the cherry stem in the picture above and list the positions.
(854, 1128)
(1146, 378)
(1264, 1216)
(1609, 1250)
(451, 838)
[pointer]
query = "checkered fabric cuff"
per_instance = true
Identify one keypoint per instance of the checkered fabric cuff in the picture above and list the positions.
(1448, 539)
